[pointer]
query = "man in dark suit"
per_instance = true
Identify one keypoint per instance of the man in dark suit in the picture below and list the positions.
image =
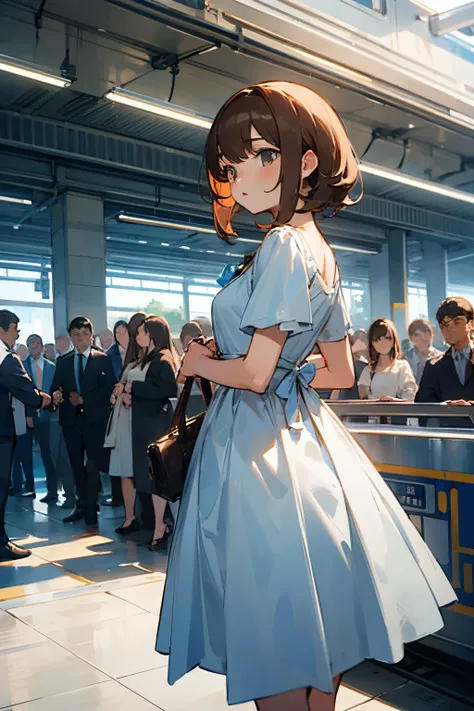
(14, 382)
(450, 378)
(82, 388)
(41, 371)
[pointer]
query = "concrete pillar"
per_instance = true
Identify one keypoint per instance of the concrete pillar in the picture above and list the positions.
(435, 264)
(398, 280)
(186, 309)
(379, 285)
(78, 246)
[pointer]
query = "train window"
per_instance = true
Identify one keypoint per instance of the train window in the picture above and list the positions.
(376, 5)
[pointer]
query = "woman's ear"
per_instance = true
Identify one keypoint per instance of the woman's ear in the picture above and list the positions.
(309, 163)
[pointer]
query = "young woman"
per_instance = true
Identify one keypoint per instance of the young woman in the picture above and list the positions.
(118, 350)
(387, 377)
(142, 414)
(292, 561)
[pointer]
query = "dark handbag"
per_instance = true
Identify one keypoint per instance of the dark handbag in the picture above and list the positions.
(170, 455)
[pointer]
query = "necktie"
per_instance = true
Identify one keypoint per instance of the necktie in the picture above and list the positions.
(469, 370)
(82, 359)
(39, 377)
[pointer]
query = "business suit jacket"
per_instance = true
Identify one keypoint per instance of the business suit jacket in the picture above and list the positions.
(14, 381)
(151, 415)
(116, 358)
(48, 374)
(440, 382)
(97, 386)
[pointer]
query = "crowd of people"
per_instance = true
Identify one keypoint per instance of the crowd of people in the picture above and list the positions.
(104, 399)
(420, 373)
(113, 394)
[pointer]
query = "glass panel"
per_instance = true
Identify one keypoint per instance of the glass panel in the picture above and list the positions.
(119, 281)
(200, 306)
(123, 301)
(12, 290)
(22, 274)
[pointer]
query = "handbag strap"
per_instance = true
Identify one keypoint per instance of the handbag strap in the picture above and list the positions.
(179, 417)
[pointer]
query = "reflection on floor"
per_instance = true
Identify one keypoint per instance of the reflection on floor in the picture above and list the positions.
(78, 623)
(67, 556)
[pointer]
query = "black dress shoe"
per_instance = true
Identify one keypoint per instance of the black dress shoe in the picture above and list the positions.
(68, 504)
(28, 495)
(124, 530)
(9, 551)
(77, 515)
(159, 544)
(91, 520)
(49, 499)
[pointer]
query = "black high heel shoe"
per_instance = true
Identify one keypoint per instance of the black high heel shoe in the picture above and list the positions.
(158, 544)
(125, 530)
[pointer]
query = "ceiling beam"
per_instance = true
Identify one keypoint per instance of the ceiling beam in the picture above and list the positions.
(452, 20)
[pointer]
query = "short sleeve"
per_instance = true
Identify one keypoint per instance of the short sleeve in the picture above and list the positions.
(280, 293)
(338, 325)
(364, 379)
(407, 386)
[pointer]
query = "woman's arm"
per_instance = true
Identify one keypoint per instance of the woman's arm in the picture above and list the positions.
(337, 372)
(255, 370)
(251, 372)
(407, 384)
(364, 384)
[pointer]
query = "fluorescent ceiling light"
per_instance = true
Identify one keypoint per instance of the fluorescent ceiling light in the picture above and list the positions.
(333, 67)
(18, 201)
(142, 241)
(359, 250)
(164, 223)
(253, 241)
(165, 244)
(24, 69)
(155, 106)
(427, 185)
(184, 246)
(461, 117)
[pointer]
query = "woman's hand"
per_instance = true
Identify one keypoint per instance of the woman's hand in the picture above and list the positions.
(128, 387)
(194, 352)
(127, 400)
(118, 390)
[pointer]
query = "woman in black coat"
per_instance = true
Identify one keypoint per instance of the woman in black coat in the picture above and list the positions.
(150, 384)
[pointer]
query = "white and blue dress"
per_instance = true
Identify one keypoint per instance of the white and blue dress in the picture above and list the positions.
(292, 561)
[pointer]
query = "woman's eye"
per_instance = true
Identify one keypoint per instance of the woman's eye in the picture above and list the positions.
(268, 156)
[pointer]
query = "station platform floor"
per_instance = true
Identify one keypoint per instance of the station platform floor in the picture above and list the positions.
(78, 622)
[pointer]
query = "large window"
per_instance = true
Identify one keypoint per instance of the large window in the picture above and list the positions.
(376, 5)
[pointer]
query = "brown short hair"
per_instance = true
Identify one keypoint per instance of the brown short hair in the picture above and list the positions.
(455, 306)
(382, 327)
(294, 119)
(420, 324)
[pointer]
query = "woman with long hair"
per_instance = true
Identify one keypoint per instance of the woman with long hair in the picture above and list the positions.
(387, 376)
(142, 414)
(133, 350)
(292, 560)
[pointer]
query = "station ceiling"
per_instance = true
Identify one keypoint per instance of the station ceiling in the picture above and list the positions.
(112, 45)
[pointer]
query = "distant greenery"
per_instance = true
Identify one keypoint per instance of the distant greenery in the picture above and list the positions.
(174, 316)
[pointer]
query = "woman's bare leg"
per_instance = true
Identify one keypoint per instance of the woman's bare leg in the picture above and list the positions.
(301, 700)
(290, 701)
(159, 506)
(129, 497)
(319, 701)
